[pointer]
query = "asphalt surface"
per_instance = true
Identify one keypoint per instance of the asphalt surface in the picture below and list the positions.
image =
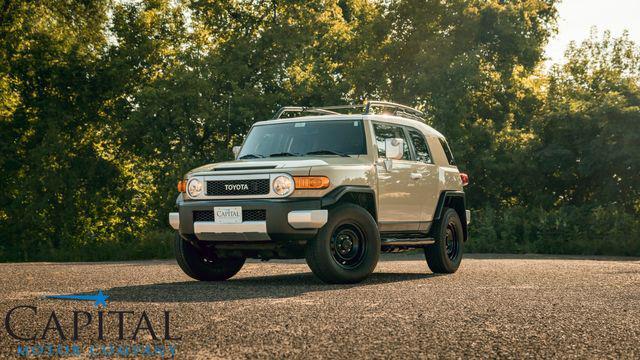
(494, 306)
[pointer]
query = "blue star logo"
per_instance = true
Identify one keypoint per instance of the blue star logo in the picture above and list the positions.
(100, 298)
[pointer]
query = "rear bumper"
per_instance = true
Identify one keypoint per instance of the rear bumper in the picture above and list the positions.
(286, 219)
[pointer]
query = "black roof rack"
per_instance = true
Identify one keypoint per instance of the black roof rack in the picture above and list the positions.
(398, 109)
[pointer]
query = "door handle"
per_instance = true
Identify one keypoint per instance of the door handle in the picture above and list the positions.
(416, 176)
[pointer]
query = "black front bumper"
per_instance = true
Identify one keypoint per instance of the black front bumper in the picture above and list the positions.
(277, 211)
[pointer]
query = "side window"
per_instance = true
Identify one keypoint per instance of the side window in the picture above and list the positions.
(447, 151)
(388, 131)
(420, 146)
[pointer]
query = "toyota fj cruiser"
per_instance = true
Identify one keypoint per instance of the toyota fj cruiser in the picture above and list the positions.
(334, 188)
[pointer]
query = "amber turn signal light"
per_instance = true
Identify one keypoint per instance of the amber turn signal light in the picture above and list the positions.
(311, 182)
(182, 186)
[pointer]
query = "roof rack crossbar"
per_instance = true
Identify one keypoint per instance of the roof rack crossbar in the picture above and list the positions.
(399, 109)
(402, 113)
(287, 109)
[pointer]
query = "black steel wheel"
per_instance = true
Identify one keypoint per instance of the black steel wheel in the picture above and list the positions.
(446, 254)
(347, 247)
(204, 267)
(452, 241)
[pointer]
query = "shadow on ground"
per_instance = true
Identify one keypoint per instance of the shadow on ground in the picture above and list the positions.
(259, 287)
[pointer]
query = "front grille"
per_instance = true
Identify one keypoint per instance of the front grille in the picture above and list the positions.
(238, 187)
(254, 215)
(247, 215)
(203, 215)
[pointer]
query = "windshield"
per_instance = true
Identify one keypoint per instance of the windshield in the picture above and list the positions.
(340, 138)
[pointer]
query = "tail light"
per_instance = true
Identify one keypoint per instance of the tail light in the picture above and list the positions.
(465, 179)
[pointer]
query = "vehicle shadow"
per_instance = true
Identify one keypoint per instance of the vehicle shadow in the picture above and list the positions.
(258, 287)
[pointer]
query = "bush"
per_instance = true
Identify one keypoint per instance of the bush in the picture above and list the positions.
(153, 245)
(601, 230)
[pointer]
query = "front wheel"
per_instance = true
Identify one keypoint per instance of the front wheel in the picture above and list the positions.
(205, 268)
(446, 254)
(347, 248)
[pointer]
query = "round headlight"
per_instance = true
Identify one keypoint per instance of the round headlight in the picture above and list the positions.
(194, 188)
(283, 185)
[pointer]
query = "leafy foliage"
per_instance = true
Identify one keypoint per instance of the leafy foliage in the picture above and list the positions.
(104, 105)
(583, 230)
(591, 127)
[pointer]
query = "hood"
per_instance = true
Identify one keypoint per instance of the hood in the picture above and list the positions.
(297, 165)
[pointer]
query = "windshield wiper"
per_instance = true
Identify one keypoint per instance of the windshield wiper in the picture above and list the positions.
(326, 152)
(250, 156)
(283, 154)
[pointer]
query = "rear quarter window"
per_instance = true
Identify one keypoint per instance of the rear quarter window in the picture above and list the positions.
(420, 146)
(447, 151)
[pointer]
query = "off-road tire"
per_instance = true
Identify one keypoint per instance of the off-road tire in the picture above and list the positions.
(327, 254)
(446, 254)
(196, 265)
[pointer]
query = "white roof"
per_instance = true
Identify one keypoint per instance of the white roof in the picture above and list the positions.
(426, 129)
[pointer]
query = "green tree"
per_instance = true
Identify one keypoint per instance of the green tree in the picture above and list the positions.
(583, 160)
(589, 137)
(472, 66)
(52, 179)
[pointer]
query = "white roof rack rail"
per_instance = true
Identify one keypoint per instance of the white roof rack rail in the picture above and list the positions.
(398, 109)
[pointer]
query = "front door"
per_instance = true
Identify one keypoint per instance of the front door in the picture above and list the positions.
(399, 207)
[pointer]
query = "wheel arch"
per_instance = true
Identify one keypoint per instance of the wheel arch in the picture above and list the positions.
(452, 199)
(362, 196)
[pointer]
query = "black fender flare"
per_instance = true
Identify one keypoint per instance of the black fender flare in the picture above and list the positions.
(334, 196)
(459, 202)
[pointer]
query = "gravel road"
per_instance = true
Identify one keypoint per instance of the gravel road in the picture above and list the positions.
(494, 306)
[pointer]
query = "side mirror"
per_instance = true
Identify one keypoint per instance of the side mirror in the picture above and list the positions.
(236, 151)
(393, 148)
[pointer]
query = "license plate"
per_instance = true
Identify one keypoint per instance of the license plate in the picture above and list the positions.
(228, 214)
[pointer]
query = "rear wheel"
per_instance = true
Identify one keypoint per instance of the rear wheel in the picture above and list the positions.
(446, 254)
(205, 268)
(347, 247)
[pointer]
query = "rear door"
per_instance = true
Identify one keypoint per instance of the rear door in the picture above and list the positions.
(426, 173)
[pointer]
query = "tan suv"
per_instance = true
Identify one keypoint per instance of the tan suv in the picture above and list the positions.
(333, 188)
